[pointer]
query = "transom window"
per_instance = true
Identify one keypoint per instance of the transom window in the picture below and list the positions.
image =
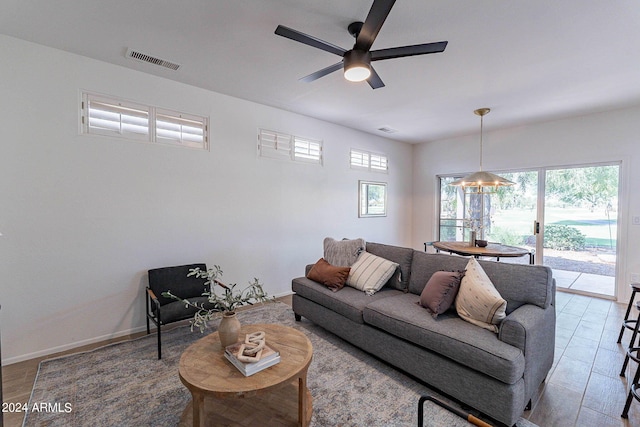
(278, 145)
(103, 115)
(374, 162)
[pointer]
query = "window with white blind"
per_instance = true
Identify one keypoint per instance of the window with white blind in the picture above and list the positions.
(307, 150)
(109, 116)
(116, 118)
(378, 162)
(274, 145)
(178, 128)
(375, 162)
(277, 145)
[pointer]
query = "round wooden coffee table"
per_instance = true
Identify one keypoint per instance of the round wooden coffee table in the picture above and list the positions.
(220, 391)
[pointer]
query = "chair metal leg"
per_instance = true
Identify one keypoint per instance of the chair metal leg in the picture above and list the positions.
(631, 344)
(632, 386)
(626, 317)
(159, 343)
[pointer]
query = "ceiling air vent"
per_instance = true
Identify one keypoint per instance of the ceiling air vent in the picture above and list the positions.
(387, 129)
(143, 57)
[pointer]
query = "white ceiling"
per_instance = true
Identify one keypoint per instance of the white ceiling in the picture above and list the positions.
(529, 61)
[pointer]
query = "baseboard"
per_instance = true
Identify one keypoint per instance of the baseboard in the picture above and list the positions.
(94, 340)
(71, 346)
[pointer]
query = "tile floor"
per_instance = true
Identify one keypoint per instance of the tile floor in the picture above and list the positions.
(584, 386)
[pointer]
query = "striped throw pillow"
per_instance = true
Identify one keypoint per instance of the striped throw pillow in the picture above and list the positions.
(370, 273)
(478, 301)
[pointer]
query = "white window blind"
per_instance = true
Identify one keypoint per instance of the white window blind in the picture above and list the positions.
(180, 129)
(307, 150)
(375, 162)
(103, 115)
(278, 145)
(378, 162)
(113, 117)
(359, 159)
(274, 145)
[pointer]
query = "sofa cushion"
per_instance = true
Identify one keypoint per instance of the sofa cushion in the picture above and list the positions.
(517, 283)
(478, 301)
(342, 253)
(440, 291)
(526, 288)
(329, 275)
(448, 335)
(370, 272)
(424, 265)
(349, 302)
(402, 256)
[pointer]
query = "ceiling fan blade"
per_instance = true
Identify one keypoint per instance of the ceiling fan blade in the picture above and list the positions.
(417, 49)
(309, 40)
(374, 80)
(376, 17)
(321, 73)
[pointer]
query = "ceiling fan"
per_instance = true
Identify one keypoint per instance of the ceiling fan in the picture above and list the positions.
(357, 61)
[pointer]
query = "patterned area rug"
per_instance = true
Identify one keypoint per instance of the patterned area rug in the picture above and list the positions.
(124, 384)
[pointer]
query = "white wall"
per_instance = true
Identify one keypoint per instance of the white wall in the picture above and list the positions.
(83, 217)
(605, 137)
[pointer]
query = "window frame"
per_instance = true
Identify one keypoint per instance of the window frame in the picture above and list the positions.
(153, 114)
(368, 160)
(363, 199)
(279, 145)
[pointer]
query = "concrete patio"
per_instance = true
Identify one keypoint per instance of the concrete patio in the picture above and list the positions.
(586, 282)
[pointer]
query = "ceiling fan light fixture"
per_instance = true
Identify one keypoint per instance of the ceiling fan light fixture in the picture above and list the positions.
(357, 65)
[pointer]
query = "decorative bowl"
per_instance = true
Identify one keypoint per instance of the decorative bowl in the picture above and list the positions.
(481, 243)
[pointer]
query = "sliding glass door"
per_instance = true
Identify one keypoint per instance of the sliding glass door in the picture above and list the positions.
(581, 227)
(514, 210)
(508, 214)
(567, 217)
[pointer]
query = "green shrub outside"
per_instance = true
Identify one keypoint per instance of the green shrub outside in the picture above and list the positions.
(505, 236)
(563, 237)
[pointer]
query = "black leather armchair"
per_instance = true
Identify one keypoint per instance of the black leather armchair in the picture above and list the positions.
(162, 310)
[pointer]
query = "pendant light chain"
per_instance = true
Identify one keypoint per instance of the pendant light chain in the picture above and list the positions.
(480, 180)
(481, 125)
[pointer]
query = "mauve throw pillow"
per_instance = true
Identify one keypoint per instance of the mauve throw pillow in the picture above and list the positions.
(440, 292)
(329, 275)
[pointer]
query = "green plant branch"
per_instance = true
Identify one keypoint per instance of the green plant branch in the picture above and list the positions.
(228, 301)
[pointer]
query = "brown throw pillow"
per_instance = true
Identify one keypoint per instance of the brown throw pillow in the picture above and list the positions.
(331, 276)
(440, 292)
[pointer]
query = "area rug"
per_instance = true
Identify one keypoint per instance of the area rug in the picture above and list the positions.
(124, 384)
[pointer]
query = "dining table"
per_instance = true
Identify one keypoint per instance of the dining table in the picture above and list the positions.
(493, 250)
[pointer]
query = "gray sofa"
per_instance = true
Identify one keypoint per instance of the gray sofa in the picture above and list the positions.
(496, 374)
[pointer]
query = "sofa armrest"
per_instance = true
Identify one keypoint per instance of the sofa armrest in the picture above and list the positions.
(307, 269)
(529, 327)
(533, 330)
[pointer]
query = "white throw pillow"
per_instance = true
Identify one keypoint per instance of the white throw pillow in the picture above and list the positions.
(478, 301)
(370, 272)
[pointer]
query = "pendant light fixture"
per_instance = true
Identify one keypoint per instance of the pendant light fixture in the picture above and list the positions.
(481, 178)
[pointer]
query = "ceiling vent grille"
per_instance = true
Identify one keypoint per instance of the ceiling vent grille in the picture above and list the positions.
(143, 57)
(387, 129)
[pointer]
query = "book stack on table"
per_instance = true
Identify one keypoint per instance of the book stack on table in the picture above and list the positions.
(268, 358)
